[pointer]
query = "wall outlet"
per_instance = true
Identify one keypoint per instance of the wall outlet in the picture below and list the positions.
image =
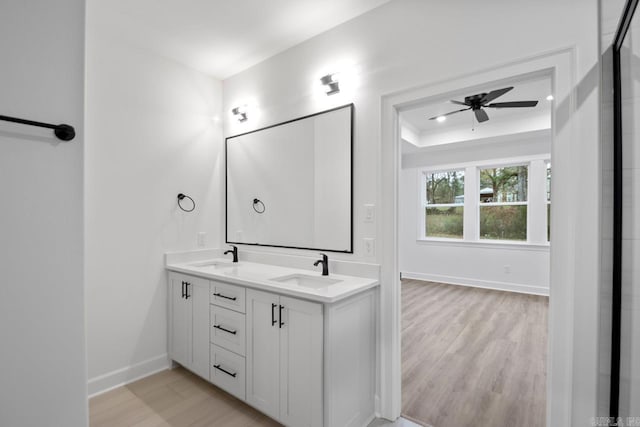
(369, 246)
(202, 239)
(507, 269)
(369, 213)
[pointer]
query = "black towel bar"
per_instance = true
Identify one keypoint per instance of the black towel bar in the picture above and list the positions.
(63, 132)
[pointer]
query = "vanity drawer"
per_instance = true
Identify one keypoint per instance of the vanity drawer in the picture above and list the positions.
(228, 296)
(227, 371)
(228, 329)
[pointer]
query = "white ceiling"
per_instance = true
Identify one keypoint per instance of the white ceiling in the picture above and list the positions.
(462, 126)
(222, 37)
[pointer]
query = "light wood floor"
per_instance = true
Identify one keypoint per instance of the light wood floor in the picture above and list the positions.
(473, 357)
(172, 398)
(178, 398)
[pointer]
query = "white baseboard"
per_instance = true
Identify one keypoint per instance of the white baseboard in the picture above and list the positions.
(485, 284)
(128, 374)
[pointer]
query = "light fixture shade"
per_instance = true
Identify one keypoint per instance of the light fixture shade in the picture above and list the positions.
(331, 84)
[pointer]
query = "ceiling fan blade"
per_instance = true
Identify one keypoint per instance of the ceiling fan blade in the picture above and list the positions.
(481, 115)
(448, 114)
(514, 104)
(457, 102)
(494, 94)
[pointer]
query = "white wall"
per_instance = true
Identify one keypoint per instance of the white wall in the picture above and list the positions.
(379, 62)
(519, 268)
(523, 144)
(379, 48)
(42, 360)
(151, 134)
(488, 129)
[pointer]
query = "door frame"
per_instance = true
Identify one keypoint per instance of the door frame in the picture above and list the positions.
(560, 65)
(617, 219)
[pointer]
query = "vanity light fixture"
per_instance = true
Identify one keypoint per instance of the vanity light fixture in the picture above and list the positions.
(331, 83)
(240, 113)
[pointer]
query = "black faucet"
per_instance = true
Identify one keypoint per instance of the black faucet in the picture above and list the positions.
(325, 264)
(234, 251)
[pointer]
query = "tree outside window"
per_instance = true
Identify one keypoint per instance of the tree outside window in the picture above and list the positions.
(444, 204)
(503, 203)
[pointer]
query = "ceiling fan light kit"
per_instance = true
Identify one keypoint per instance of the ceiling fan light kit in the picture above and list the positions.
(477, 103)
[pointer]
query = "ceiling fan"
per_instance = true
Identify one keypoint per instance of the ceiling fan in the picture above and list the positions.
(480, 101)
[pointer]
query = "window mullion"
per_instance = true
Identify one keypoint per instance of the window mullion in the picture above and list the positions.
(471, 197)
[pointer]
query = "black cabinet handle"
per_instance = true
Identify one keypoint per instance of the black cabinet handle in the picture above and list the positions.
(186, 296)
(273, 314)
(225, 330)
(183, 289)
(224, 296)
(280, 315)
(225, 371)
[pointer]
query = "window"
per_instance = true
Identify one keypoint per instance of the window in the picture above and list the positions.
(548, 188)
(444, 204)
(499, 201)
(503, 203)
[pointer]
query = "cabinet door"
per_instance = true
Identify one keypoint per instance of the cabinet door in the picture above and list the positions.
(180, 321)
(199, 300)
(301, 338)
(263, 376)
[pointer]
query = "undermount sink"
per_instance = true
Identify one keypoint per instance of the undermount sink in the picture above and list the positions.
(306, 280)
(214, 264)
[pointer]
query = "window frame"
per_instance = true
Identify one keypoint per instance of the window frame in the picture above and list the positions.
(547, 217)
(424, 205)
(480, 205)
(471, 206)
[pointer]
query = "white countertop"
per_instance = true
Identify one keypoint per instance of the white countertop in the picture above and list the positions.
(258, 276)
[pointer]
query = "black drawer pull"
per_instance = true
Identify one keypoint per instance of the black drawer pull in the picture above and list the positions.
(186, 290)
(273, 314)
(183, 293)
(224, 329)
(225, 371)
(280, 315)
(224, 296)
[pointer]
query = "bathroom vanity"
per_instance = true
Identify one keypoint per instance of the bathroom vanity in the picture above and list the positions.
(298, 346)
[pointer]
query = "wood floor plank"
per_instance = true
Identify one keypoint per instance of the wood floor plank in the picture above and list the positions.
(172, 398)
(473, 357)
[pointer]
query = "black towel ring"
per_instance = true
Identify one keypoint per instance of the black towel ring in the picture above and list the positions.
(259, 203)
(182, 197)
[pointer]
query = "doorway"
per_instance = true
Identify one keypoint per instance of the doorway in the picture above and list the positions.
(474, 244)
(566, 150)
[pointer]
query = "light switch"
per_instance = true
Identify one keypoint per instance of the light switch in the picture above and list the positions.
(369, 246)
(369, 213)
(202, 239)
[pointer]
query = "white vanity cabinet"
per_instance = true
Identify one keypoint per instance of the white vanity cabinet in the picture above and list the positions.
(189, 324)
(302, 361)
(284, 358)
